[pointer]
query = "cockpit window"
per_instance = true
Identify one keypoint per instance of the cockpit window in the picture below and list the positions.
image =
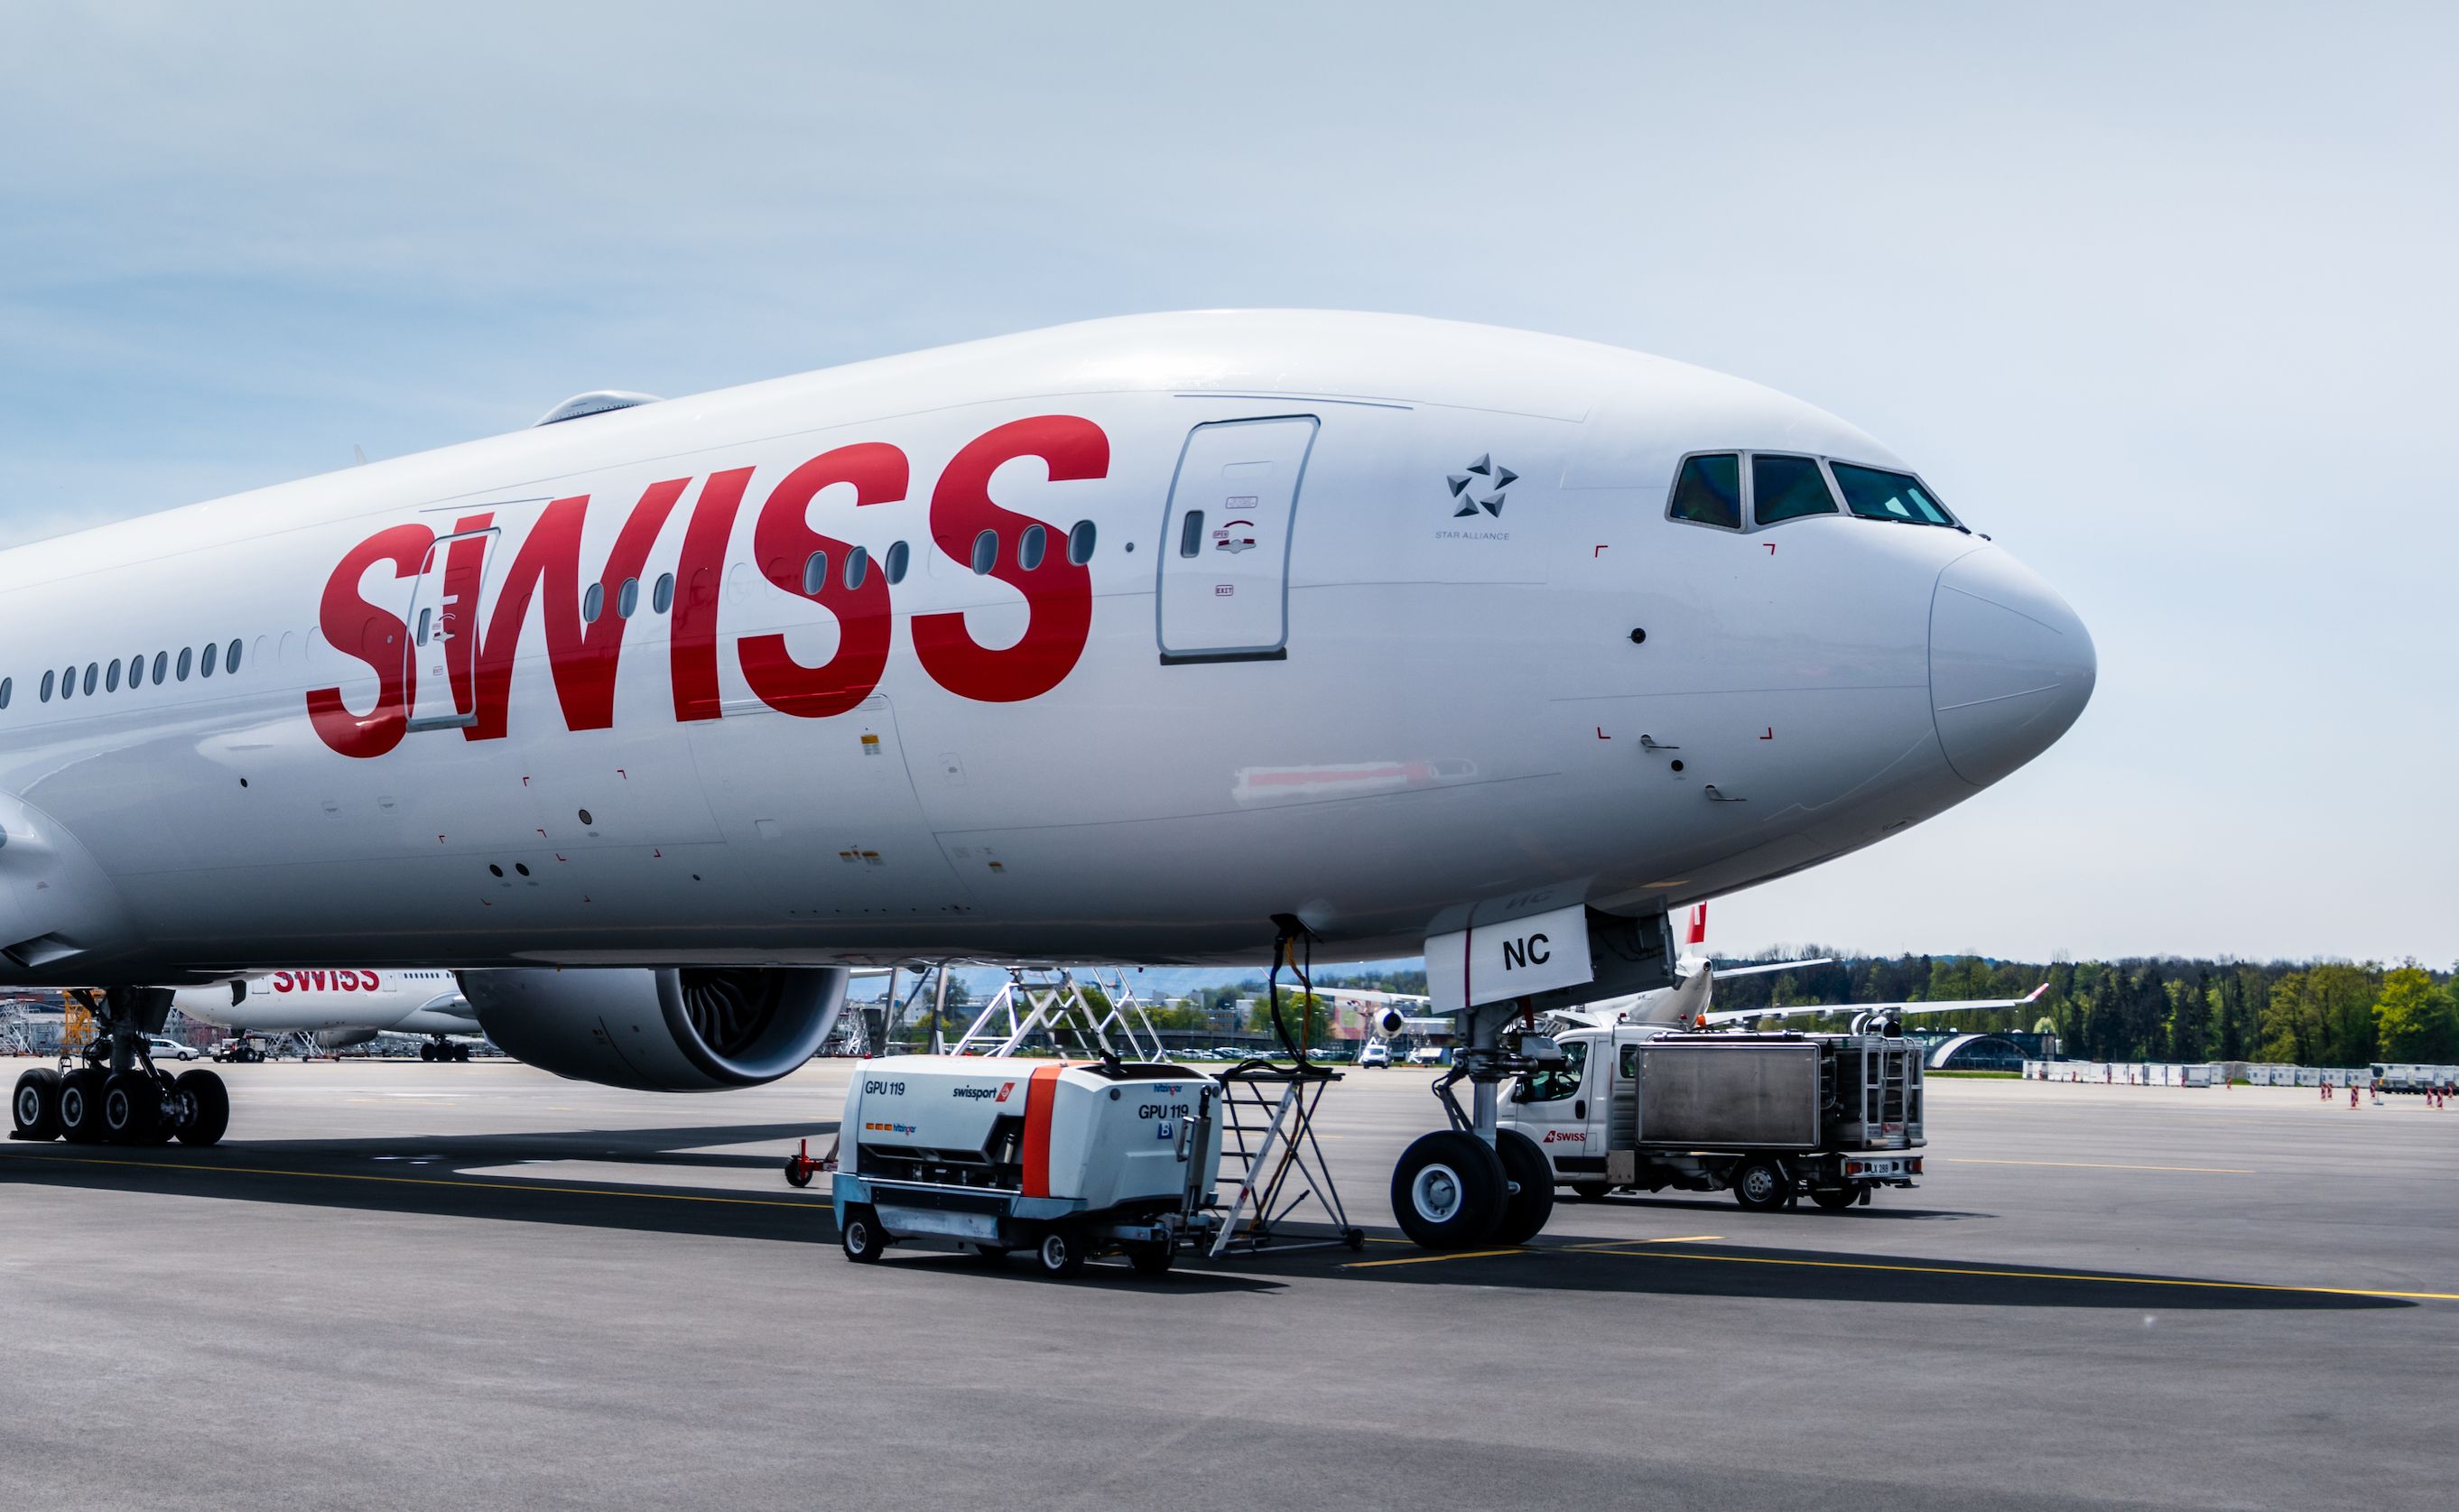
(1876, 494)
(1785, 487)
(1709, 490)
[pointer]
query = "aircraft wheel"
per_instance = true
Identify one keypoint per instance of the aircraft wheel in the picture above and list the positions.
(207, 1104)
(35, 1109)
(132, 1105)
(1835, 1199)
(1151, 1258)
(426, 1052)
(864, 1240)
(461, 1053)
(1061, 1254)
(81, 1107)
(1448, 1190)
(1591, 1191)
(1761, 1186)
(1524, 1164)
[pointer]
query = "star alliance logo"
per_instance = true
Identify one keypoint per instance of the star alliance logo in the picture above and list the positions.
(1480, 474)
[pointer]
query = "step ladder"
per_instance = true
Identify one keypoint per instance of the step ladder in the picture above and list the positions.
(1269, 1150)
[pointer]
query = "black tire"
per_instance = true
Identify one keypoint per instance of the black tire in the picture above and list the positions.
(797, 1174)
(34, 1108)
(81, 1107)
(1152, 1257)
(1526, 1210)
(1591, 1191)
(1448, 1190)
(131, 1107)
(1760, 1185)
(461, 1053)
(206, 1102)
(426, 1052)
(864, 1240)
(1835, 1199)
(1061, 1254)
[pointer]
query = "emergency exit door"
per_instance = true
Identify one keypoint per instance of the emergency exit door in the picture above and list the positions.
(1225, 559)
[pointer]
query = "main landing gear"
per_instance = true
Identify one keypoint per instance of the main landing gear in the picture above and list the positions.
(1474, 1182)
(439, 1048)
(117, 1096)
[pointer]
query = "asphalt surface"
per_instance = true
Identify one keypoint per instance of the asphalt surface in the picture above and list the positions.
(401, 1284)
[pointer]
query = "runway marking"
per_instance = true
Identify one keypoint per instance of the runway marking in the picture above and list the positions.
(431, 1181)
(1430, 1259)
(2043, 1275)
(2199, 1170)
(1617, 1244)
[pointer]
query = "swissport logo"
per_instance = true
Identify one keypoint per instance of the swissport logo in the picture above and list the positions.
(1005, 1087)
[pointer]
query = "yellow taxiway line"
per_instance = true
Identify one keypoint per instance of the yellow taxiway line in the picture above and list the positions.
(428, 1181)
(2197, 1170)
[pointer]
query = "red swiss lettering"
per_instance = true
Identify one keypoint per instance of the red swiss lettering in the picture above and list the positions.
(692, 655)
(377, 637)
(783, 542)
(581, 657)
(1058, 593)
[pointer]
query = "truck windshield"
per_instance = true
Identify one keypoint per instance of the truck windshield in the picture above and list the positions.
(1554, 1083)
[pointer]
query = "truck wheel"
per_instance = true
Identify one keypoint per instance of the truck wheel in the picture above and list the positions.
(35, 1109)
(1761, 1186)
(1835, 1199)
(1524, 1211)
(1152, 1257)
(206, 1102)
(1061, 1254)
(864, 1240)
(1591, 1191)
(1448, 1190)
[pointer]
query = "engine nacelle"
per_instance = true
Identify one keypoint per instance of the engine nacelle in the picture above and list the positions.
(343, 1039)
(687, 1029)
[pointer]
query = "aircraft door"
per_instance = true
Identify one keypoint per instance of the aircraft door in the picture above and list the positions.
(443, 623)
(1551, 1106)
(1225, 557)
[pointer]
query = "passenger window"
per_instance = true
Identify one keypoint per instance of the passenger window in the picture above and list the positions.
(205, 662)
(92, 670)
(897, 557)
(111, 677)
(1554, 1083)
(1190, 534)
(46, 687)
(1785, 487)
(426, 616)
(663, 599)
(985, 552)
(162, 665)
(815, 574)
(593, 603)
(1708, 491)
(628, 599)
(1029, 549)
(184, 655)
(230, 658)
(67, 684)
(1876, 494)
(857, 567)
(136, 670)
(8, 686)
(1080, 543)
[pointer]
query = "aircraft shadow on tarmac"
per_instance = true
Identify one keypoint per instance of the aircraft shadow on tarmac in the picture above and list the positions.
(437, 1176)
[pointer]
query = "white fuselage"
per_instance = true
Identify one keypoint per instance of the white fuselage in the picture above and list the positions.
(1405, 661)
(421, 1001)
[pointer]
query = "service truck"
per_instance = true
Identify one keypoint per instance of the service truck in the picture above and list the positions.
(1636, 1107)
(1002, 1154)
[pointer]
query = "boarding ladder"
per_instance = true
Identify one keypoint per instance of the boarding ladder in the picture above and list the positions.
(1272, 1164)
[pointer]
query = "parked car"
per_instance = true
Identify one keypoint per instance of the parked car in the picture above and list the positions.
(1376, 1055)
(166, 1048)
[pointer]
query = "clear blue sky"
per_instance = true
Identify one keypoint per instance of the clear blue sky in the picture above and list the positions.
(2160, 296)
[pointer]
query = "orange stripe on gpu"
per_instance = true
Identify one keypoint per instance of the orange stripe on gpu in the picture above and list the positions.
(1040, 1094)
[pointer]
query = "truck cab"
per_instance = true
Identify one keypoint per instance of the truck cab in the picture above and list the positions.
(1638, 1107)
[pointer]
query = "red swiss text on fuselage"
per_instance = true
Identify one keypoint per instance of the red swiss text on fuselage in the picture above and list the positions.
(583, 652)
(285, 981)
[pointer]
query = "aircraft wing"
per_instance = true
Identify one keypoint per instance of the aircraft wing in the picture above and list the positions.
(1762, 968)
(1947, 1005)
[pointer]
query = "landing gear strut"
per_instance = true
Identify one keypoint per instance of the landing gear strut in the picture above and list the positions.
(118, 1096)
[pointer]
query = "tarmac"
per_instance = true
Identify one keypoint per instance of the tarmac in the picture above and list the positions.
(402, 1284)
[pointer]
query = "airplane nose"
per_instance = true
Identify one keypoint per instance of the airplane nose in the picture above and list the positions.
(2010, 667)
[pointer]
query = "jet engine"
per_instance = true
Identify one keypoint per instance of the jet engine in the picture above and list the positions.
(343, 1039)
(672, 1029)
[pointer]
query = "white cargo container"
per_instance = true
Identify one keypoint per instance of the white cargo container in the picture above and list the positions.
(1003, 1154)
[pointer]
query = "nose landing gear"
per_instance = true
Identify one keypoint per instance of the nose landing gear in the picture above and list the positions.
(1476, 1183)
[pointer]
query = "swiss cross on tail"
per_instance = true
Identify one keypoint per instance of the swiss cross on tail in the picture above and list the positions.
(583, 622)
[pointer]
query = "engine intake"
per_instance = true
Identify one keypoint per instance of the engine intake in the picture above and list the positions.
(672, 1029)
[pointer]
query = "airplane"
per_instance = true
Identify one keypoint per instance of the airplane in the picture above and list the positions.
(340, 1008)
(654, 718)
